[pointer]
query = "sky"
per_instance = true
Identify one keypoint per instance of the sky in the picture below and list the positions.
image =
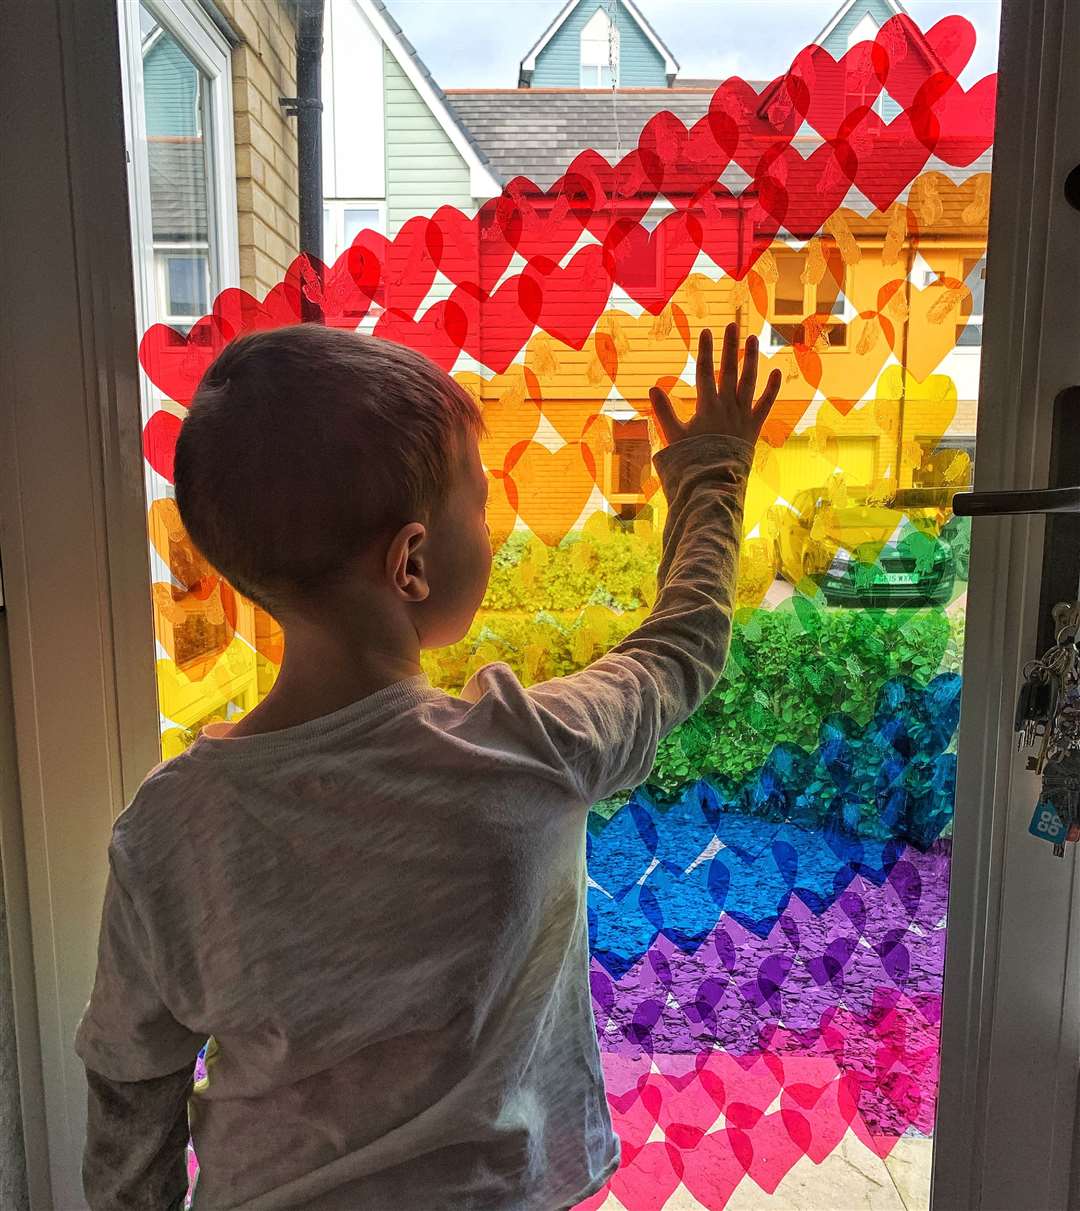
(479, 43)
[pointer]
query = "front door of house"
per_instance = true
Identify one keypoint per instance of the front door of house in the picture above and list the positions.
(830, 964)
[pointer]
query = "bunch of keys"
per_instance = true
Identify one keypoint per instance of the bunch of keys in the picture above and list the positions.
(1048, 715)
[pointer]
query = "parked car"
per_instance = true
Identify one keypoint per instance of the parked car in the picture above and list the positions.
(861, 549)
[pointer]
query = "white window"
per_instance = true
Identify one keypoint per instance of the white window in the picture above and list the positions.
(181, 168)
(599, 52)
(970, 323)
(798, 305)
(344, 219)
(178, 120)
(182, 273)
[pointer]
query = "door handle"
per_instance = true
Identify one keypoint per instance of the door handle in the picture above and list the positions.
(1060, 502)
(1002, 504)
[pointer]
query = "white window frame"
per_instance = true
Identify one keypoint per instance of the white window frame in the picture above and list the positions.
(600, 57)
(650, 221)
(927, 277)
(187, 22)
(334, 222)
(162, 252)
(810, 290)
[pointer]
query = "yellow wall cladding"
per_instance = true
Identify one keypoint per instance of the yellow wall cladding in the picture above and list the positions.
(268, 205)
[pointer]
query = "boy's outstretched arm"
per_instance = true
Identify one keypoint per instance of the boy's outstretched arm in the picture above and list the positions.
(603, 724)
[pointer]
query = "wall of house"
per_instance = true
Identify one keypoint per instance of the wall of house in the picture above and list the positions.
(558, 65)
(354, 152)
(423, 168)
(268, 204)
(170, 90)
(837, 41)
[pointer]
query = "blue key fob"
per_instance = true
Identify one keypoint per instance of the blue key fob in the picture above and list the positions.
(1046, 824)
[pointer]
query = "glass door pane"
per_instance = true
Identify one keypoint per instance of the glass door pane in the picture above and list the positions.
(767, 912)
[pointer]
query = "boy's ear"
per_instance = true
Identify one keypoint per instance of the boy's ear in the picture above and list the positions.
(405, 562)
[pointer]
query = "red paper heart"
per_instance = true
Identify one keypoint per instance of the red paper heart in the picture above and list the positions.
(827, 90)
(759, 132)
(950, 42)
(691, 160)
(159, 442)
(544, 224)
(282, 302)
(476, 251)
(651, 266)
(889, 156)
(498, 325)
(341, 299)
(736, 230)
(397, 275)
(439, 334)
(177, 363)
(803, 193)
(573, 296)
(967, 120)
(237, 312)
(606, 193)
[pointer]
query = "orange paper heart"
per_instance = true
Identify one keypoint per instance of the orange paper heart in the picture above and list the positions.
(552, 488)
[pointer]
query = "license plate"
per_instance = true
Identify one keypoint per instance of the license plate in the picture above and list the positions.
(901, 578)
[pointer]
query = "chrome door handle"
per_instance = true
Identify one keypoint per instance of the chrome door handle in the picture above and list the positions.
(1001, 504)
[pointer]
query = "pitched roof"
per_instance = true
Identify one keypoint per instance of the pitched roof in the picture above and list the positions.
(895, 5)
(528, 63)
(485, 180)
(536, 132)
(898, 10)
(177, 187)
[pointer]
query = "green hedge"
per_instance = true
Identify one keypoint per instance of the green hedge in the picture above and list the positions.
(785, 673)
(537, 645)
(787, 669)
(616, 568)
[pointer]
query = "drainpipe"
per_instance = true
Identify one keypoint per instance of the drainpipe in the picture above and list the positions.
(307, 107)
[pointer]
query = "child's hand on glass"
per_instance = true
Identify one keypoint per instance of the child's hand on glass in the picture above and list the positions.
(725, 406)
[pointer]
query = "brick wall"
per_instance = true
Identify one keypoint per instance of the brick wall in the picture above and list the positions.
(268, 205)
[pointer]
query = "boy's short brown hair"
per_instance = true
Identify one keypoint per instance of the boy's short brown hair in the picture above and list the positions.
(305, 444)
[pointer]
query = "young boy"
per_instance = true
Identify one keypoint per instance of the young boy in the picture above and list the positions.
(369, 892)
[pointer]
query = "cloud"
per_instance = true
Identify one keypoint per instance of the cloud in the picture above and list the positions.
(473, 44)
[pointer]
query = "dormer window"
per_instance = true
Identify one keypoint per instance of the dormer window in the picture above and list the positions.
(599, 52)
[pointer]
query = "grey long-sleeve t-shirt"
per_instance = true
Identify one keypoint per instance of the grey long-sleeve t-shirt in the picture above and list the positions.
(378, 919)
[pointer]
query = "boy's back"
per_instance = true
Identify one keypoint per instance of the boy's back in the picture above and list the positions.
(379, 914)
(380, 917)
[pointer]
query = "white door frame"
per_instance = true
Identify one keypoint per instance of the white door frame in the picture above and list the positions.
(73, 535)
(72, 529)
(1011, 1020)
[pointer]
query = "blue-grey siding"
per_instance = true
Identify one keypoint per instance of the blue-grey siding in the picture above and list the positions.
(171, 90)
(558, 65)
(836, 42)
